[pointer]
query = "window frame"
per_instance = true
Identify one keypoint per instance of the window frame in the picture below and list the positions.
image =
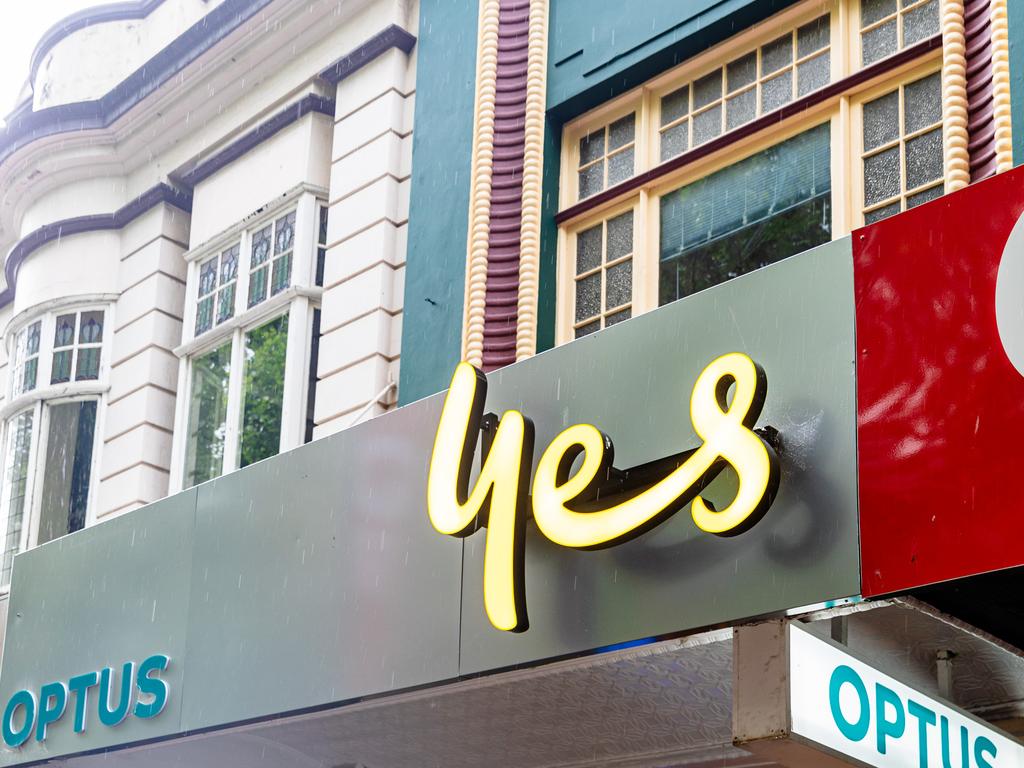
(298, 302)
(841, 110)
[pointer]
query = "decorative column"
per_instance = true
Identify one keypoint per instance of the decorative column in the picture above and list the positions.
(1001, 86)
(954, 95)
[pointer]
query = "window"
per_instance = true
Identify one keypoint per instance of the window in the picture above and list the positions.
(26, 358)
(77, 343)
(246, 389)
(886, 28)
(17, 462)
(67, 469)
(903, 155)
(755, 150)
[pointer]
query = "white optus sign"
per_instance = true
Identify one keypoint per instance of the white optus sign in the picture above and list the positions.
(846, 706)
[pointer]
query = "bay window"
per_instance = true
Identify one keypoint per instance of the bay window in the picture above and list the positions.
(244, 392)
(793, 133)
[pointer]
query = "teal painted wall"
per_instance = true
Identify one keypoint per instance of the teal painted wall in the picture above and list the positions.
(435, 271)
(1015, 10)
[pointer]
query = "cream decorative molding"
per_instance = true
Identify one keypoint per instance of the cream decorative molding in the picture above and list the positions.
(1001, 86)
(954, 95)
(533, 181)
(480, 180)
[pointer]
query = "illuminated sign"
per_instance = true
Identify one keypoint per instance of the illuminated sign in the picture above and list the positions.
(596, 505)
(850, 708)
(28, 713)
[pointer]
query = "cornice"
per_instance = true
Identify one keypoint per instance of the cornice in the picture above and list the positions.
(87, 17)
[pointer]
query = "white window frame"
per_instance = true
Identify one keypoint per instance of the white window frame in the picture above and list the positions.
(298, 301)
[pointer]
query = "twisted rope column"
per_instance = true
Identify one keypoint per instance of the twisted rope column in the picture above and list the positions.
(954, 96)
(1001, 86)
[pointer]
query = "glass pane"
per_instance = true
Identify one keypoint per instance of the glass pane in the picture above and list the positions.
(265, 351)
(923, 103)
(229, 265)
(32, 334)
(619, 286)
(882, 213)
(260, 247)
(875, 10)
(920, 23)
(618, 317)
(878, 43)
(90, 328)
(881, 121)
(588, 297)
(282, 275)
(258, 286)
(621, 132)
(741, 72)
(776, 55)
(28, 379)
(207, 416)
(61, 370)
(88, 366)
(741, 109)
(777, 92)
(882, 176)
(204, 315)
(592, 147)
(620, 236)
(16, 465)
(68, 469)
(923, 197)
(814, 74)
(707, 125)
(675, 105)
(620, 166)
(207, 277)
(64, 331)
(225, 303)
(812, 37)
(589, 328)
(707, 89)
(755, 212)
(284, 233)
(588, 249)
(924, 159)
(591, 180)
(322, 236)
(675, 140)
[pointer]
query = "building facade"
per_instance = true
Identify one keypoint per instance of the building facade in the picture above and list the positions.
(770, 252)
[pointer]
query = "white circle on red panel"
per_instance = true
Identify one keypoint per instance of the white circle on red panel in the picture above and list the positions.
(1010, 297)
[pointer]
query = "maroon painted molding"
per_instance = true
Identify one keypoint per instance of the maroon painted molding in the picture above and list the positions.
(161, 193)
(763, 123)
(981, 124)
(501, 304)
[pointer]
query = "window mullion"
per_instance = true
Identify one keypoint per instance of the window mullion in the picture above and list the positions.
(305, 241)
(296, 370)
(235, 393)
(33, 488)
(242, 279)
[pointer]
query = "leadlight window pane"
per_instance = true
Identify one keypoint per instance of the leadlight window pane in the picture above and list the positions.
(813, 37)
(762, 209)
(282, 274)
(814, 74)
(707, 89)
(229, 265)
(742, 71)
(924, 160)
(622, 132)
(28, 381)
(208, 277)
(16, 466)
(707, 125)
(920, 23)
(284, 234)
(321, 250)
(204, 315)
(923, 103)
(878, 43)
(777, 54)
(61, 371)
(64, 331)
(882, 121)
(68, 469)
(675, 105)
(263, 384)
(207, 415)
(90, 329)
(260, 247)
(588, 250)
(88, 366)
(225, 303)
(258, 286)
(777, 92)
(32, 334)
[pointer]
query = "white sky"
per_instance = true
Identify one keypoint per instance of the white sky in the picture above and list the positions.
(24, 23)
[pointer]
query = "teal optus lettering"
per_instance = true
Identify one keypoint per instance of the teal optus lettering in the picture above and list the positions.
(118, 691)
(984, 749)
(844, 675)
(25, 700)
(925, 717)
(886, 698)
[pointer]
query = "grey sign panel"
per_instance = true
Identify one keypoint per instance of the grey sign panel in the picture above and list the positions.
(634, 382)
(113, 593)
(317, 577)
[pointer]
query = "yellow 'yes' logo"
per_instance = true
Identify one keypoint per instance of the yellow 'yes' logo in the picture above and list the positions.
(597, 505)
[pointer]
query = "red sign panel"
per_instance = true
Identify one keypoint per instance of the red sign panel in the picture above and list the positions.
(940, 387)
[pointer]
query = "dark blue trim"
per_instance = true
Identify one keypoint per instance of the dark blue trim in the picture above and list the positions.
(392, 37)
(87, 17)
(311, 103)
(161, 193)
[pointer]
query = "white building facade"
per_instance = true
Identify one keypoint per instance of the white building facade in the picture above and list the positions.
(203, 207)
